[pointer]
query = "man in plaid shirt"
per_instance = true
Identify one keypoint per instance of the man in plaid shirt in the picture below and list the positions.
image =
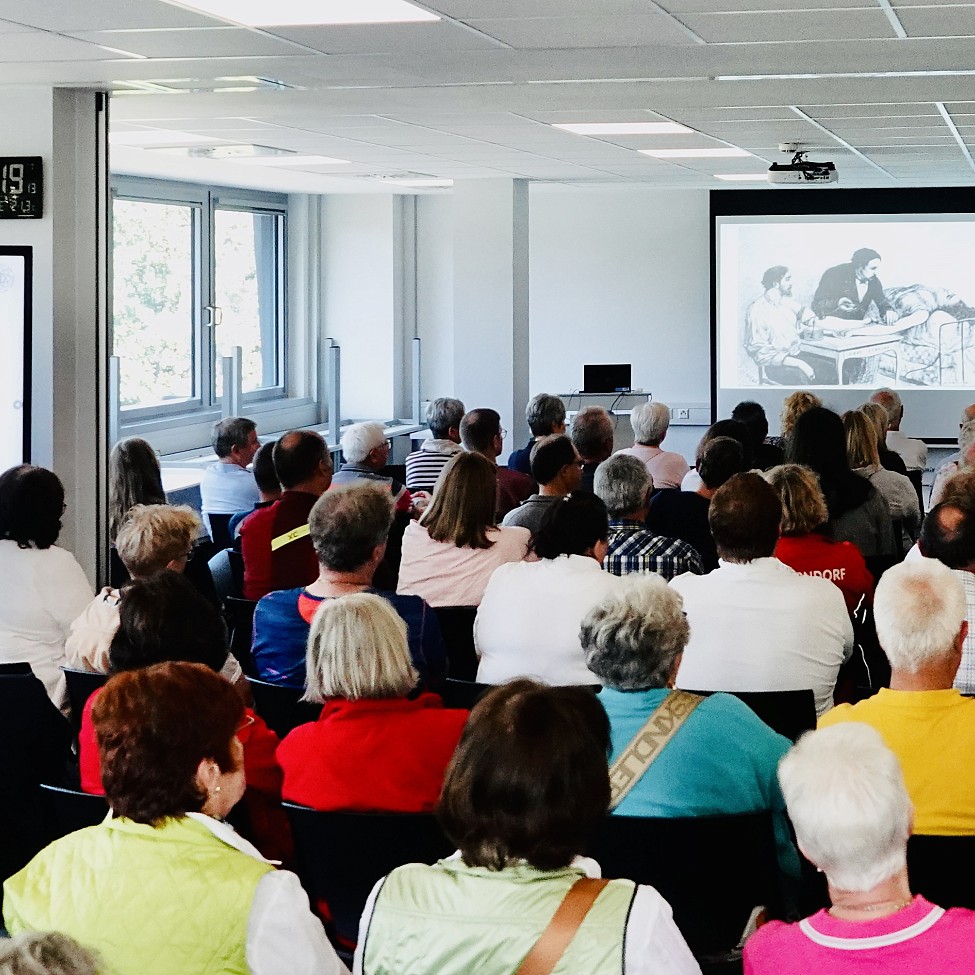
(624, 484)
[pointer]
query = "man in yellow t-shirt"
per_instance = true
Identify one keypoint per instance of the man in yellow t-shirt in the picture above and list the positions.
(930, 727)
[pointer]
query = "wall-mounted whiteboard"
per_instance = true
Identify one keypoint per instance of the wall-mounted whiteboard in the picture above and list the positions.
(15, 370)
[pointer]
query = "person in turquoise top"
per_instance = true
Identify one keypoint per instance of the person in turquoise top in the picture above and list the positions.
(724, 758)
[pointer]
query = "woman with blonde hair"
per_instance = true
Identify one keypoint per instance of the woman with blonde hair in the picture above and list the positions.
(793, 406)
(896, 489)
(804, 542)
(373, 746)
(450, 553)
(890, 459)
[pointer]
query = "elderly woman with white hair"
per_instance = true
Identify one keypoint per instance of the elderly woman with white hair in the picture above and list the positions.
(377, 745)
(650, 422)
(964, 461)
(723, 758)
(852, 816)
(365, 451)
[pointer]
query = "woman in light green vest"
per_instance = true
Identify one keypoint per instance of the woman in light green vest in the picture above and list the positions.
(164, 885)
(527, 785)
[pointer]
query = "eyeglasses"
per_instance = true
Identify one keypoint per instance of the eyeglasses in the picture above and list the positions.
(244, 725)
(389, 444)
(504, 433)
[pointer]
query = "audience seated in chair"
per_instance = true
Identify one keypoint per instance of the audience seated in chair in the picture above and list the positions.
(889, 459)
(756, 624)
(650, 422)
(545, 415)
(846, 798)
(528, 621)
(764, 454)
(592, 437)
(734, 429)
(134, 477)
(921, 624)
(624, 485)
(557, 468)
(227, 486)
(365, 451)
(423, 466)
(152, 538)
(268, 486)
(277, 551)
(44, 588)
(164, 619)
(684, 514)
(449, 554)
(525, 790)
(164, 885)
(805, 544)
(722, 759)
(348, 529)
(376, 745)
(481, 433)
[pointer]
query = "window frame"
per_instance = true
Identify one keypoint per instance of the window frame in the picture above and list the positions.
(204, 404)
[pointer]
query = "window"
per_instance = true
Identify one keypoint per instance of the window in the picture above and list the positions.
(196, 272)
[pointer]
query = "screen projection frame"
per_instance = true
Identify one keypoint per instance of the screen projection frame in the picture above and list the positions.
(26, 255)
(820, 204)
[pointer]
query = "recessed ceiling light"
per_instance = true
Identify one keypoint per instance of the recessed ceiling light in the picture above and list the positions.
(743, 177)
(159, 137)
(421, 183)
(624, 128)
(722, 153)
(307, 13)
(293, 160)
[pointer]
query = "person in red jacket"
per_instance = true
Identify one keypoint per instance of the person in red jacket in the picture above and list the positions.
(377, 746)
(804, 544)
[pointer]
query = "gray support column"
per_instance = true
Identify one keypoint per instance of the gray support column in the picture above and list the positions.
(491, 299)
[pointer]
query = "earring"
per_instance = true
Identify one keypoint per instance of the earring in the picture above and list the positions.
(216, 791)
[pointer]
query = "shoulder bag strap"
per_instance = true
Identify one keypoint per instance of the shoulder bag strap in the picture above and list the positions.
(568, 917)
(302, 531)
(649, 742)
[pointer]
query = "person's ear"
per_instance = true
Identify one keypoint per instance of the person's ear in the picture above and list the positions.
(208, 776)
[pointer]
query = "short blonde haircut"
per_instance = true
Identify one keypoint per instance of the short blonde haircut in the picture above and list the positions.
(154, 535)
(803, 504)
(357, 648)
(794, 405)
(861, 440)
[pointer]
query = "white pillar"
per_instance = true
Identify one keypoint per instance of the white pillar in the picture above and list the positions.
(491, 299)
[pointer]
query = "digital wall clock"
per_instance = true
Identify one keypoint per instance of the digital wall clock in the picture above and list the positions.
(21, 187)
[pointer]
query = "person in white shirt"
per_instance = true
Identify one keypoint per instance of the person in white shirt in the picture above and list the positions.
(528, 622)
(756, 624)
(228, 486)
(650, 422)
(913, 452)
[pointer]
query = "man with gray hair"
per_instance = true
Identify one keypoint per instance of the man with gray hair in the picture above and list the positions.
(650, 422)
(624, 485)
(365, 450)
(592, 436)
(227, 486)
(920, 610)
(914, 452)
(545, 414)
(349, 528)
(423, 466)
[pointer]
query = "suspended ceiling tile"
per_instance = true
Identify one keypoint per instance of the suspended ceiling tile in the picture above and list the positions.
(80, 15)
(582, 31)
(804, 24)
(425, 38)
(212, 42)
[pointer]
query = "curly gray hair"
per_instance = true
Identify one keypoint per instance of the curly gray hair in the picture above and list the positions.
(622, 483)
(633, 637)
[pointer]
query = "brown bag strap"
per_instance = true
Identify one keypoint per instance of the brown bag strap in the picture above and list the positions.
(554, 940)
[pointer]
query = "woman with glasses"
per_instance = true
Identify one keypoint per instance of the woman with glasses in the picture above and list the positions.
(165, 885)
(44, 588)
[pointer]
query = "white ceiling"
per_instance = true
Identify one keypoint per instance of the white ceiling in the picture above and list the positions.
(472, 95)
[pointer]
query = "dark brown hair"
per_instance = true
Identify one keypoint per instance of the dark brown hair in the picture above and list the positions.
(744, 516)
(154, 726)
(31, 505)
(463, 503)
(529, 779)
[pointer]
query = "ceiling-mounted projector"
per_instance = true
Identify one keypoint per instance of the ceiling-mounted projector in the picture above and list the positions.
(801, 171)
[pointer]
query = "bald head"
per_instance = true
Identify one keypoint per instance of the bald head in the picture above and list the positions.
(891, 402)
(302, 462)
(967, 414)
(948, 535)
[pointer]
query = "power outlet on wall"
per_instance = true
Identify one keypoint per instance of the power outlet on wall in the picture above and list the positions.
(683, 413)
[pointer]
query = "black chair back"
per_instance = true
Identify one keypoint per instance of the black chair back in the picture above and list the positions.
(713, 870)
(941, 868)
(462, 693)
(790, 713)
(457, 629)
(342, 855)
(224, 578)
(81, 684)
(240, 616)
(71, 810)
(282, 707)
(219, 530)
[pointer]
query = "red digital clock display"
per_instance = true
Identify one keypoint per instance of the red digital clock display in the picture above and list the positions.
(21, 187)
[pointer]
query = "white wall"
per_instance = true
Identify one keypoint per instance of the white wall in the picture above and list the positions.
(435, 296)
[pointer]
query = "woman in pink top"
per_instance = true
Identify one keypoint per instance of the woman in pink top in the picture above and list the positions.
(449, 555)
(846, 798)
(650, 422)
